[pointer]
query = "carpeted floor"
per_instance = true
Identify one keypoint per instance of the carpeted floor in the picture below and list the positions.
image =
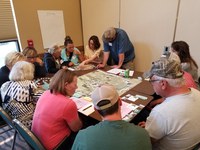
(6, 140)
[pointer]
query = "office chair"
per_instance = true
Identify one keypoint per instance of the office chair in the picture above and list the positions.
(8, 121)
(197, 147)
(28, 136)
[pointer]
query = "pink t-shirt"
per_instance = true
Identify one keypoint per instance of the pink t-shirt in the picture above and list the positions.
(189, 81)
(51, 118)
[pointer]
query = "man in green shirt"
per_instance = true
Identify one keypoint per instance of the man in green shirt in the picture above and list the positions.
(112, 132)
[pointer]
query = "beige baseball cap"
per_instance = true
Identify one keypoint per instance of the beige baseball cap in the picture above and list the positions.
(104, 92)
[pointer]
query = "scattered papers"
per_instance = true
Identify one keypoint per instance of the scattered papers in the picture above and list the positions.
(130, 98)
(87, 110)
(80, 102)
(115, 71)
(120, 72)
(89, 99)
(141, 97)
(131, 73)
(77, 95)
(71, 69)
(133, 98)
(127, 108)
(85, 107)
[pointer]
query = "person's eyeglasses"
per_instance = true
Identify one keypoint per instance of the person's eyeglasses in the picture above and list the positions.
(151, 81)
(31, 57)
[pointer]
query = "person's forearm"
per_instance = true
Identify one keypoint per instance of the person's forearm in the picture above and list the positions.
(121, 60)
(105, 57)
(90, 59)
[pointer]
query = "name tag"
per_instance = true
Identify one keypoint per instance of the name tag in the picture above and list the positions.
(110, 44)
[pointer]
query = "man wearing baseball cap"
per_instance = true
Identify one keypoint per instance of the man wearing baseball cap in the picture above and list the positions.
(173, 124)
(112, 132)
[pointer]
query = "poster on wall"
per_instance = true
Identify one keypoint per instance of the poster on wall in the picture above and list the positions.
(52, 27)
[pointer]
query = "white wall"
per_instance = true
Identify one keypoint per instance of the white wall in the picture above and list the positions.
(97, 15)
(149, 24)
(188, 27)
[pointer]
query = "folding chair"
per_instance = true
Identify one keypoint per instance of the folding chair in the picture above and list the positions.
(28, 136)
(8, 121)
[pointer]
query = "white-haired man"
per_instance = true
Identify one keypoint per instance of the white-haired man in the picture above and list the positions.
(173, 124)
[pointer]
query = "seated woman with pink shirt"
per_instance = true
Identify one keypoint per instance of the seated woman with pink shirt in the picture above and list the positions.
(56, 116)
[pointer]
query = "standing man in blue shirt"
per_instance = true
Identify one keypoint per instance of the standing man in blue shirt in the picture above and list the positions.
(118, 49)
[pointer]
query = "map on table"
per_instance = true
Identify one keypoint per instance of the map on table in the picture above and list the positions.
(88, 82)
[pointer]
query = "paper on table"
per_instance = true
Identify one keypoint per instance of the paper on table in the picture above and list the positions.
(131, 73)
(118, 71)
(80, 102)
(125, 109)
(132, 98)
(115, 71)
(87, 110)
(88, 99)
(71, 69)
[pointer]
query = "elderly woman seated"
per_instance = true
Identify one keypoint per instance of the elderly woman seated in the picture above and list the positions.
(10, 59)
(53, 61)
(32, 57)
(17, 94)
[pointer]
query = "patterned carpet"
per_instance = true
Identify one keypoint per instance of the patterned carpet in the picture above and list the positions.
(6, 140)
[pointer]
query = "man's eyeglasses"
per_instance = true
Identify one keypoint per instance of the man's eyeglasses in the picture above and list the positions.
(151, 81)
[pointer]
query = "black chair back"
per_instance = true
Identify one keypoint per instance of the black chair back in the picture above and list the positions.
(8, 120)
(28, 136)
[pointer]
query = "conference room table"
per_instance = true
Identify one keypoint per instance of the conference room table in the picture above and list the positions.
(144, 88)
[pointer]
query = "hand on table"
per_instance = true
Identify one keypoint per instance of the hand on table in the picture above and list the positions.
(100, 66)
(64, 67)
(115, 66)
(142, 124)
(70, 64)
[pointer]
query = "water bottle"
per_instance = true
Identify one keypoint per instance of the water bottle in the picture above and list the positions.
(126, 73)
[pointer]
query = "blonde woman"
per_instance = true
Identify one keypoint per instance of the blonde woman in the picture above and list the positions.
(32, 57)
(10, 59)
(56, 116)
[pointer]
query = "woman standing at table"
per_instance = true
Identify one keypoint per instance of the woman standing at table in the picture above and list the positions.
(92, 50)
(56, 115)
(70, 53)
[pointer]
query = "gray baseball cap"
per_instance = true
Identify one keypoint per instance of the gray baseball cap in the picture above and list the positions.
(166, 67)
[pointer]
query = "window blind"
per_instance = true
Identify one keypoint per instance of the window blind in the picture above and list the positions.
(7, 27)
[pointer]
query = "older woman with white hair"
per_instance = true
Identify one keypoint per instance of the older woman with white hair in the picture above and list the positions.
(52, 59)
(10, 59)
(17, 94)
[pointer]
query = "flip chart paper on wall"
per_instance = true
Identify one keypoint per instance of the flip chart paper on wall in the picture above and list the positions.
(52, 27)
